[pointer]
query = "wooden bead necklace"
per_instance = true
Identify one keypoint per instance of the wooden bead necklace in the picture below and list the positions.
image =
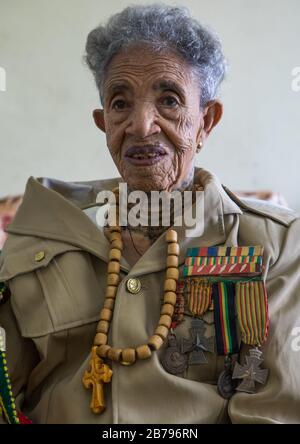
(99, 372)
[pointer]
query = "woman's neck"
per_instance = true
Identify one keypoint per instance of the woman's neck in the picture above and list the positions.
(157, 212)
(137, 239)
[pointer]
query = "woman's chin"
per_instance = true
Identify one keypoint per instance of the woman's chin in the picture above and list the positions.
(152, 177)
(146, 183)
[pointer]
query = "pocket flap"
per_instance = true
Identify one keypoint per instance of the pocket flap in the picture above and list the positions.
(23, 254)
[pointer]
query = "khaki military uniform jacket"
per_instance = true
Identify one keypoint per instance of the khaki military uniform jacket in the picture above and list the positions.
(51, 316)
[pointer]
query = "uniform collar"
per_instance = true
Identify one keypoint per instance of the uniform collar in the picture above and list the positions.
(52, 211)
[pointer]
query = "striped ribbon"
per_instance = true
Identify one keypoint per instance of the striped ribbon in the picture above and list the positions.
(250, 269)
(223, 294)
(200, 296)
(256, 250)
(252, 311)
(222, 260)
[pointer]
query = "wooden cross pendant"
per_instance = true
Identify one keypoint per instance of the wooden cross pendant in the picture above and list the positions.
(94, 377)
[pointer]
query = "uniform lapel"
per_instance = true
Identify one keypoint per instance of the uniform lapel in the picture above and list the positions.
(47, 214)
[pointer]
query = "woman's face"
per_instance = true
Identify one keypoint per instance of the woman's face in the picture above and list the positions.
(152, 119)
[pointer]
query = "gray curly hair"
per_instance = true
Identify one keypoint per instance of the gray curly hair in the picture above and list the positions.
(163, 27)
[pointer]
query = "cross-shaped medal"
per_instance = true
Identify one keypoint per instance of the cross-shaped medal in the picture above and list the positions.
(197, 343)
(250, 372)
(94, 378)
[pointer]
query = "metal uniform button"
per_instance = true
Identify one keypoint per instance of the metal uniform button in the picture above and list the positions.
(39, 256)
(133, 285)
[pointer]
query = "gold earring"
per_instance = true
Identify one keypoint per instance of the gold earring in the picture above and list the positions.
(199, 146)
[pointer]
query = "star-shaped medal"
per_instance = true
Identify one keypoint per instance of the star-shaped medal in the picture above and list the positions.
(197, 344)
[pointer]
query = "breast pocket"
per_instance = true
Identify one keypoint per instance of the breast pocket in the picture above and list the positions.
(69, 292)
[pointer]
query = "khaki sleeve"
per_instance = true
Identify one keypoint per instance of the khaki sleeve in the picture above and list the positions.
(278, 401)
(21, 355)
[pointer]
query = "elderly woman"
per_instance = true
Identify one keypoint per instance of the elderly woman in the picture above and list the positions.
(143, 324)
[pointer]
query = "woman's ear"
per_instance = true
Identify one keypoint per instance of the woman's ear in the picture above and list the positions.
(98, 115)
(212, 115)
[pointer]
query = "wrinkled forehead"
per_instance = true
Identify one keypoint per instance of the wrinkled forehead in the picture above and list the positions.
(140, 66)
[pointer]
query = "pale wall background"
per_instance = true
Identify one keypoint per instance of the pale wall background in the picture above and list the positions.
(46, 127)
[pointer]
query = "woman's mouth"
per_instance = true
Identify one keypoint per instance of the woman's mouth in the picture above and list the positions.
(145, 155)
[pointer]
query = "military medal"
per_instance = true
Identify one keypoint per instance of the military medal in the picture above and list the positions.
(173, 361)
(250, 373)
(224, 317)
(199, 299)
(226, 385)
(230, 280)
(197, 344)
(252, 311)
(226, 333)
(223, 261)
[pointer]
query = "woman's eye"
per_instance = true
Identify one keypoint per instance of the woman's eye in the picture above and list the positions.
(119, 104)
(170, 101)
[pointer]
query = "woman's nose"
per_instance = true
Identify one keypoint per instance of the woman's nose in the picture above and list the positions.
(143, 121)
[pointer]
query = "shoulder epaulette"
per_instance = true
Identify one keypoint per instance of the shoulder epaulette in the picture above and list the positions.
(277, 213)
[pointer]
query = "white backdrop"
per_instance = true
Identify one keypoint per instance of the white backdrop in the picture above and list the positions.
(46, 126)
